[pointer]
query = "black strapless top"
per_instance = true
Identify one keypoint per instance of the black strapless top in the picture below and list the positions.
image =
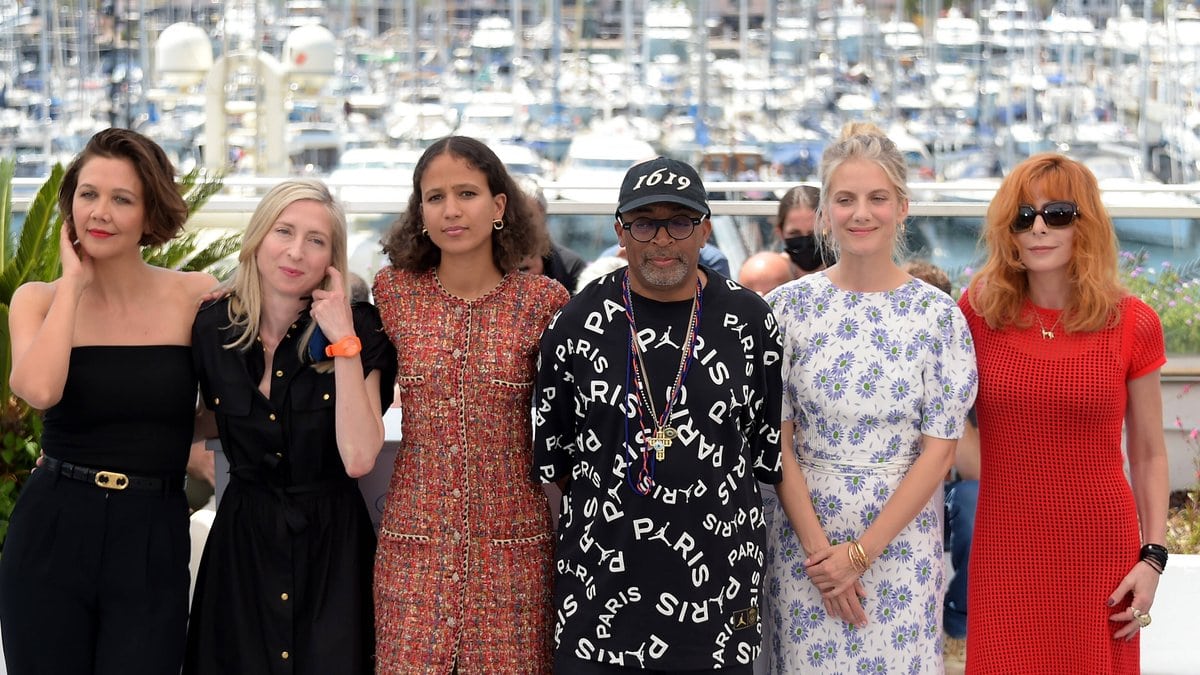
(127, 408)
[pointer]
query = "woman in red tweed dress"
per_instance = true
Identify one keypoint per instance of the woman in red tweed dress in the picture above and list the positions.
(463, 571)
(1066, 358)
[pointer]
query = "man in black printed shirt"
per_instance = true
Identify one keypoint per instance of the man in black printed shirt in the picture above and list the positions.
(657, 409)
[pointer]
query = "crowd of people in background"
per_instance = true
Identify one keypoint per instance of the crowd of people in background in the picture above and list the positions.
(639, 463)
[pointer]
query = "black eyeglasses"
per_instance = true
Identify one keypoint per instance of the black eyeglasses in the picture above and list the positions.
(1054, 214)
(645, 229)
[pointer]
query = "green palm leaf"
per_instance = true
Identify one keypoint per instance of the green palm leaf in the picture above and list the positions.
(36, 255)
(210, 257)
(7, 168)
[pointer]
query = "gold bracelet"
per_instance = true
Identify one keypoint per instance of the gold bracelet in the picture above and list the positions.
(858, 557)
(857, 561)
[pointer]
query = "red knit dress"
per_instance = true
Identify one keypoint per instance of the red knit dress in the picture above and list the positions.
(1056, 528)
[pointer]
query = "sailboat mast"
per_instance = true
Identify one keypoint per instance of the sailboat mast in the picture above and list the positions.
(702, 89)
(627, 37)
(1143, 125)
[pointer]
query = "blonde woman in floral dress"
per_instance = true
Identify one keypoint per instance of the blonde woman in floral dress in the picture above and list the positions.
(878, 374)
(464, 570)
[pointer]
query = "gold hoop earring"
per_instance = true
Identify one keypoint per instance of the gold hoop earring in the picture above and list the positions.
(497, 224)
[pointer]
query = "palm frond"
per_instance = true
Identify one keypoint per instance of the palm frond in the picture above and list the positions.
(5, 354)
(184, 252)
(172, 254)
(198, 186)
(209, 257)
(36, 256)
(8, 167)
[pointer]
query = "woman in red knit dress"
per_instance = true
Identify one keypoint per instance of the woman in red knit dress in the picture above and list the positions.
(1066, 358)
(463, 571)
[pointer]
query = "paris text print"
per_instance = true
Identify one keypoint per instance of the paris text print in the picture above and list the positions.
(669, 578)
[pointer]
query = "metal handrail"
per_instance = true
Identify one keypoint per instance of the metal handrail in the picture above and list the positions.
(241, 193)
(243, 190)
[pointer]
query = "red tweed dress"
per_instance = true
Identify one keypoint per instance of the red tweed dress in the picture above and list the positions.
(464, 567)
(1057, 528)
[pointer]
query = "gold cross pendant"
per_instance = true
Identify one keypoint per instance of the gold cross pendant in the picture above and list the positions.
(660, 441)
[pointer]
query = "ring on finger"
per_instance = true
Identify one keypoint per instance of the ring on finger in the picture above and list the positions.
(1142, 618)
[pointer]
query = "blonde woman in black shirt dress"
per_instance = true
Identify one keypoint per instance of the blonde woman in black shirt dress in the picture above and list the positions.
(285, 581)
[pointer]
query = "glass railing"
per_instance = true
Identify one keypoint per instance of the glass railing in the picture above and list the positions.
(1158, 227)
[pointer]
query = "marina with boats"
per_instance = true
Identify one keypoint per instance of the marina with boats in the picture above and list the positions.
(571, 95)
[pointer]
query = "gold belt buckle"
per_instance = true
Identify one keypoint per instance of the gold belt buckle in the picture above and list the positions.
(111, 480)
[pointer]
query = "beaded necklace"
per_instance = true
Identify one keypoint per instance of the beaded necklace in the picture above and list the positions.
(663, 433)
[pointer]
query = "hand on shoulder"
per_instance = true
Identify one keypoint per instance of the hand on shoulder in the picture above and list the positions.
(204, 286)
(189, 289)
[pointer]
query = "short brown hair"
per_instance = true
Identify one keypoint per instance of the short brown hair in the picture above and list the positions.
(166, 211)
(408, 249)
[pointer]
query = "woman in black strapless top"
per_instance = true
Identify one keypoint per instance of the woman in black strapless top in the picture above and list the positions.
(94, 576)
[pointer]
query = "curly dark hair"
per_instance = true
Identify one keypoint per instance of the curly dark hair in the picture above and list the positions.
(166, 211)
(408, 249)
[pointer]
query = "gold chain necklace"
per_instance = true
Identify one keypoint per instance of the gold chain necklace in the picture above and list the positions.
(1047, 334)
(664, 433)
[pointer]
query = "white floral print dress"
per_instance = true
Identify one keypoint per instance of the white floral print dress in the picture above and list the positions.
(865, 376)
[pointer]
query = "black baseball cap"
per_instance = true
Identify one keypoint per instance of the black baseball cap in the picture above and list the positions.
(662, 179)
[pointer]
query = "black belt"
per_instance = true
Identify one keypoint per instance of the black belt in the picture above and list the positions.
(111, 480)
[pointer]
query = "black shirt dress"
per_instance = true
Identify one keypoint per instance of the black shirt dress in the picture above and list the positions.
(285, 581)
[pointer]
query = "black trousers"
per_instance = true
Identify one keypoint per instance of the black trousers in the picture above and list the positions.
(94, 581)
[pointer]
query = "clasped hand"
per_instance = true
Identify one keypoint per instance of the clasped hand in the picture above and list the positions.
(831, 571)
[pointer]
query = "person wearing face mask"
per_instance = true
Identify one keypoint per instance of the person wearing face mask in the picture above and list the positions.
(795, 225)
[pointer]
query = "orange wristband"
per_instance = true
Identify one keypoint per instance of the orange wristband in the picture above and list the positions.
(347, 346)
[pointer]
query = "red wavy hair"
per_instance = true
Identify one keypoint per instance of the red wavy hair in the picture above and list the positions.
(999, 290)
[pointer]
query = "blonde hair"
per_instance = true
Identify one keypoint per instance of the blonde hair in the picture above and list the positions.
(863, 140)
(998, 291)
(246, 295)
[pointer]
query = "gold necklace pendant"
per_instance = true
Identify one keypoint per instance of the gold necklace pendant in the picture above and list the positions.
(1047, 334)
(660, 441)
